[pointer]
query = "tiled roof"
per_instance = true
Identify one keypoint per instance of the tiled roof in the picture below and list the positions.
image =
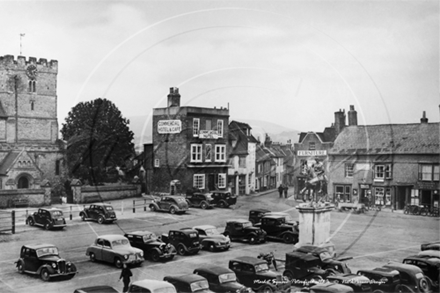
(8, 161)
(420, 138)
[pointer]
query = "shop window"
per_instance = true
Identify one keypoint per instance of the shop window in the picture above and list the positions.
(220, 153)
(196, 153)
(414, 197)
(196, 126)
(429, 172)
(199, 181)
(342, 193)
(221, 180)
(349, 170)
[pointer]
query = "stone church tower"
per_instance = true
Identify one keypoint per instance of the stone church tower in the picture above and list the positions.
(29, 147)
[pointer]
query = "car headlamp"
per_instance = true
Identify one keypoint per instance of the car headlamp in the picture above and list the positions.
(141, 253)
(126, 256)
(54, 265)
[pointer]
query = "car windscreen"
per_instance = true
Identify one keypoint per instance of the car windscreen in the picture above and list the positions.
(200, 285)
(247, 224)
(212, 231)
(179, 199)
(120, 242)
(261, 267)
(225, 278)
(47, 251)
(57, 214)
(192, 235)
(149, 237)
(109, 208)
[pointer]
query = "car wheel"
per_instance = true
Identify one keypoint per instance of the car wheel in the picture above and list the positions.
(172, 210)
(288, 275)
(44, 274)
(92, 257)
(155, 256)
(20, 267)
(47, 226)
(31, 222)
(402, 288)
(83, 216)
(252, 239)
(222, 204)
(153, 208)
(204, 205)
(424, 285)
(378, 291)
(267, 289)
(181, 249)
(100, 220)
(288, 238)
(211, 247)
(118, 262)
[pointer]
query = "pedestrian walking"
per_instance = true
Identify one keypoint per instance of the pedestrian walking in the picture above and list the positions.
(280, 190)
(125, 276)
(286, 188)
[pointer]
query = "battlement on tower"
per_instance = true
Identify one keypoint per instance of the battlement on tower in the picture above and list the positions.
(8, 61)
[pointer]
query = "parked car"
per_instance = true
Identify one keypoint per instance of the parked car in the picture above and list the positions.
(211, 239)
(152, 246)
(96, 289)
(430, 246)
(99, 212)
(222, 280)
(115, 249)
(358, 283)
(202, 200)
(151, 286)
(328, 288)
(44, 260)
(48, 218)
(170, 203)
(255, 215)
(304, 269)
(254, 273)
(429, 265)
(223, 198)
(382, 280)
(244, 231)
(189, 283)
(276, 228)
(412, 278)
(186, 241)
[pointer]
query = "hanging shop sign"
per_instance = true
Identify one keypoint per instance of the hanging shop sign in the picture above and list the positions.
(364, 186)
(208, 134)
(311, 153)
(169, 126)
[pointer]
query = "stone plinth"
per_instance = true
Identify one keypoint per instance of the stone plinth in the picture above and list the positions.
(314, 224)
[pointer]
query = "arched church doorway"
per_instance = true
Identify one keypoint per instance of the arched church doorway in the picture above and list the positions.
(23, 182)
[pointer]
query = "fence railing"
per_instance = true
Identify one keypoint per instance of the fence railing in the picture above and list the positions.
(7, 221)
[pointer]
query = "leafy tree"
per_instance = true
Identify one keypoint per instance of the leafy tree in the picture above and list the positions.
(98, 140)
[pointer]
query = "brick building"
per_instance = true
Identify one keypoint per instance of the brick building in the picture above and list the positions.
(29, 147)
(190, 144)
(391, 165)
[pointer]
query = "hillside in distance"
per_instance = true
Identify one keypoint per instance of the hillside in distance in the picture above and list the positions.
(142, 129)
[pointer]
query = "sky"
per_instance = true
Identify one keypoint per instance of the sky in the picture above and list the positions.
(292, 63)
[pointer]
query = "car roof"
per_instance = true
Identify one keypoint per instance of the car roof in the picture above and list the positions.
(249, 260)
(386, 273)
(97, 289)
(139, 233)
(260, 210)
(186, 230)
(272, 216)
(188, 278)
(153, 284)
(430, 260)
(174, 196)
(112, 237)
(220, 191)
(39, 245)
(238, 221)
(429, 253)
(204, 227)
(302, 255)
(217, 270)
(407, 268)
(51, 209)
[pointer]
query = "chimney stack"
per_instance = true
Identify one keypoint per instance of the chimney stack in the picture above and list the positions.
(424, 119)
(174, 97)
(352, 117)
(339, 121)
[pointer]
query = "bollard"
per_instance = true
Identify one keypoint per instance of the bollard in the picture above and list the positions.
(71, 213)
(145, 205)
(122, 207)
(26, 218)
(13, 221)
(134, 209)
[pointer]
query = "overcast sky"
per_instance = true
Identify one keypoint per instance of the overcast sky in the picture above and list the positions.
(293, 63)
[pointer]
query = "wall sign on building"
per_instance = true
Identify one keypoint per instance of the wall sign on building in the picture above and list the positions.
(208, 134)
(312, 153)
(169, 126)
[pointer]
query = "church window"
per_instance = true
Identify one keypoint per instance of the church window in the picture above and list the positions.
(23, 183)
(32, 105)
(32, 86)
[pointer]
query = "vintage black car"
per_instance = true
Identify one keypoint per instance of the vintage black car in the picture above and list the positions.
(429, 265)
(153, 247)
(151, 286)
(211, 238)
(382, 280)
(304, 269)
(430, 246)
(96, 289)
(254, 273)
(47, 218)
(222, 279)
(359, 283)
(44, 260)
(170, 203)
(223, 198)
(256, 215)
(186, 241)
(329, 288)
(325, 254)
(244, 231)
(99, 212)
(412, 278)
(276, 228)
(115, 249)
(189, 283)
(200, 200)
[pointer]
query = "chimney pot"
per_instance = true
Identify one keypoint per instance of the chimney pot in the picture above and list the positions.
(424, 119)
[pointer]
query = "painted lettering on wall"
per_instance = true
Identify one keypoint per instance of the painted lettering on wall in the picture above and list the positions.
(312, 153)
(169, 126)
(208, 134)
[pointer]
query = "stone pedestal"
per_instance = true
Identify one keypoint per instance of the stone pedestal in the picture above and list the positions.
(314, 224)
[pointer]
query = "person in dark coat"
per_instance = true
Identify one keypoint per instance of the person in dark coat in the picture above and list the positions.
(280, 190)
(125, 276)
(286, 188)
